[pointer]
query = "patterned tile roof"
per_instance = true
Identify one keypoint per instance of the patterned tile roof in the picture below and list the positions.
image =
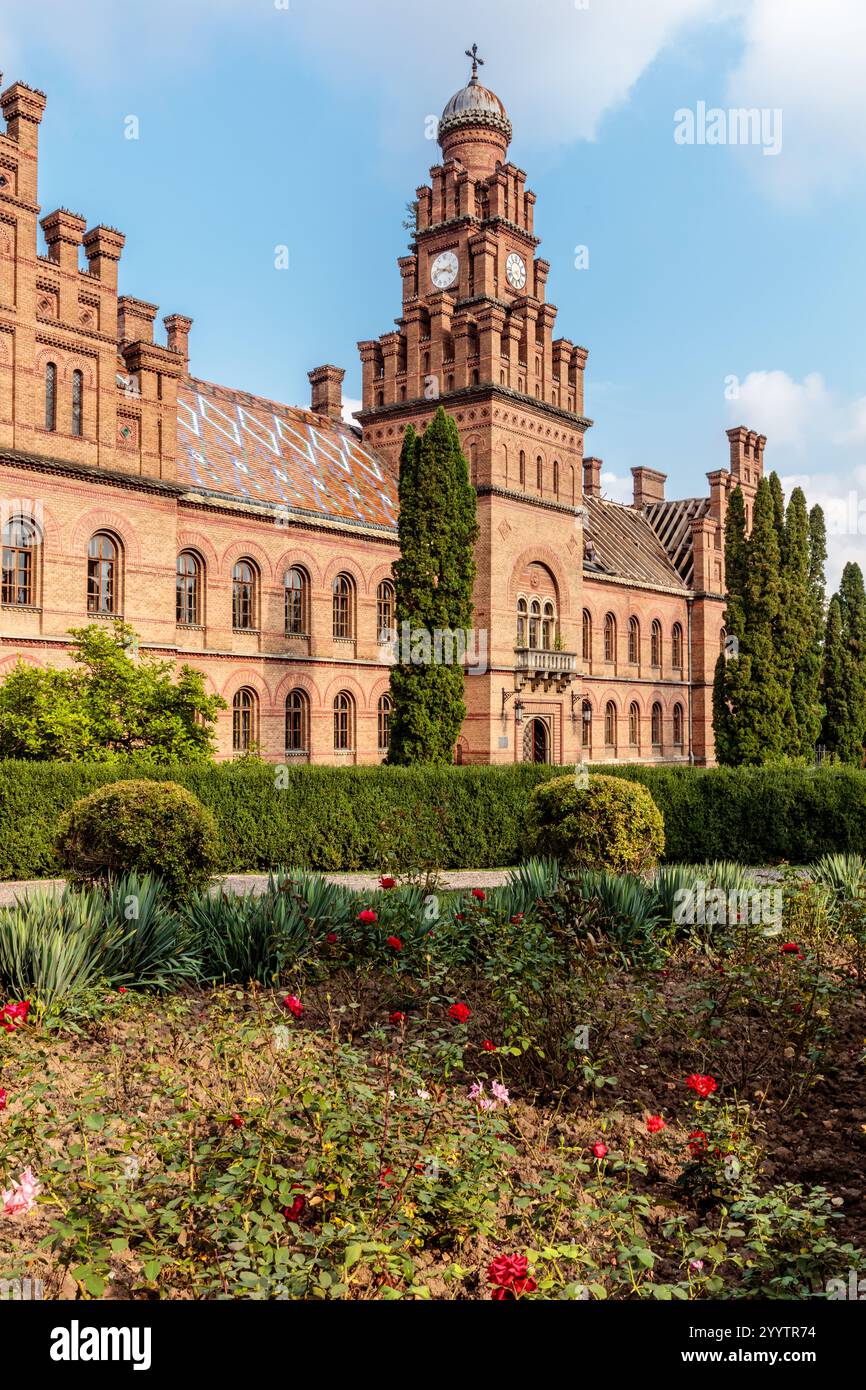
(621, 544)
(672, 523)
(232, 444)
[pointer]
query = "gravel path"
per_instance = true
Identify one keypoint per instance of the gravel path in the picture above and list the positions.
(12, 892)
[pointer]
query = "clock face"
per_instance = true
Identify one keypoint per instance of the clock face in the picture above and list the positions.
(443, 271)
(515, 269)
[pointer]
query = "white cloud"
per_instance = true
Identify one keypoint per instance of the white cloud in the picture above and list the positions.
(616, 488)
(808, 60)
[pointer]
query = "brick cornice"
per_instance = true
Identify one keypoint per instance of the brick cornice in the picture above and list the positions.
(39, 463)
(475, 393)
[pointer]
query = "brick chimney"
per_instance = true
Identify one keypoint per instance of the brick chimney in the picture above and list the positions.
(135, 319)
(327, 391)
(592, 477)
(102, 247)
(178, 326)
(63, 234)
(649, 486)
(747, 455)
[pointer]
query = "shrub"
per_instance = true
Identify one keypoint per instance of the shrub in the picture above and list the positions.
(609, 824)
(142, 827)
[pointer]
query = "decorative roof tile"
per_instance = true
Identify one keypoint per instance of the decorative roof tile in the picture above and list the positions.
(232, 444)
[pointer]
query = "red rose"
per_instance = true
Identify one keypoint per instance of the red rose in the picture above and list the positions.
(458, 916)
(599, 1149)
(368, 916)
(517, 918)
(488, 1046)
(237, 1121)
(386, 882)
(294, 1005)
(655, 1123)
(4, 1096)
(396, 1017)
(14, 1015)
(479, 893)
(395, 943)
(791, 948)
(293, 1212)
(122, 989)
(697, 1143)
(459, 1012)
(331, 937)
(506, 1268)
(704, 1085)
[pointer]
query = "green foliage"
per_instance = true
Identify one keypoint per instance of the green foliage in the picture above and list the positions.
(609, 824)
(844, 729)
(117, 701)
(53, 947)
(434, 577)
(141, 826)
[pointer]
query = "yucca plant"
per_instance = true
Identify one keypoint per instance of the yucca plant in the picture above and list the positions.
(668, 882)
(629, 911)
(232, 936)
(531, 882)
(153, 950)
(843, 875)
(52, 946)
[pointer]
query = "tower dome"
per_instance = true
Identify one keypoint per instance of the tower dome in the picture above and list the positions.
(474, 127)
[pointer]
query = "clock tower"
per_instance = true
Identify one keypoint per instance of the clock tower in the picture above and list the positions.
(476, 335)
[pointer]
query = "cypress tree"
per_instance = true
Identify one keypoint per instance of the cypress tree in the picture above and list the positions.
(778, 510)
(799, 627)
(751, 694)
(433, 578)
(838, 733)
(729, 674)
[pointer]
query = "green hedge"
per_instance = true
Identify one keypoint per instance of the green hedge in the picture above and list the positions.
(473, 817)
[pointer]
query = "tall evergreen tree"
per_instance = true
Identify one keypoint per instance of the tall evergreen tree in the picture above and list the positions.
(839, 732)
(729, 673)
(844, 730)
(778, 510)
(752, 698)
(800, 629)
(434, 577)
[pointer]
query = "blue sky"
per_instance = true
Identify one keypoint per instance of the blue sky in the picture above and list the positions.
(715, 271)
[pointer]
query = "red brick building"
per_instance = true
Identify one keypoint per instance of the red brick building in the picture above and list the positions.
(255, 540)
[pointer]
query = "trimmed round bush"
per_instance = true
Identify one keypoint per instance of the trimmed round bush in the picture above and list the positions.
(140, 827)
(608, 824)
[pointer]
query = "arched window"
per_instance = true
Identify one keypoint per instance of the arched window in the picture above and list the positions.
(244, 596)
(534, 624)
(383, 721)
(77, 402)
(539, 474)
(633, 641)
(610, 638)
(244, 707)
(555, 478)
(678, 726)
(656, 727)
(610, 725)
(343, 606)
(522, 614)
(297, 590)
(297, 722)
(723, 637)
(385, 600)
(677, 647)
(103, 575)
(548, 626)
(19, 545)
(188, 589)
(587, 635)
(634, 725)
(522, 468)
(51, 396)
(344, 722)
(656, 643)
(586, 725)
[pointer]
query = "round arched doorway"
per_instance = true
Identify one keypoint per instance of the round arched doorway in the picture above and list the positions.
(536, 741)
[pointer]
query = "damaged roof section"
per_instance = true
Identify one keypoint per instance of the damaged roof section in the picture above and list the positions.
(621, 543)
